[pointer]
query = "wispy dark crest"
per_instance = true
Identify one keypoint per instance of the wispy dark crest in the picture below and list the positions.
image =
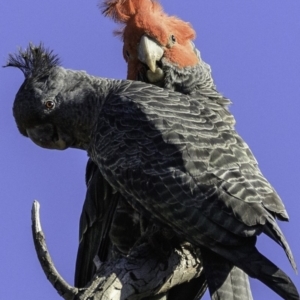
(111, 8)
(35, 61)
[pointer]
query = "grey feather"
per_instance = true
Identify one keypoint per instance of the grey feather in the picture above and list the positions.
(95, 224)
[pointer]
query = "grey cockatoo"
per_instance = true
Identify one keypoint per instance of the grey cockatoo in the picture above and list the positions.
(175, 158)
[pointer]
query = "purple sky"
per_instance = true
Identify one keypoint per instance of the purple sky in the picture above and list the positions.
(253, 48)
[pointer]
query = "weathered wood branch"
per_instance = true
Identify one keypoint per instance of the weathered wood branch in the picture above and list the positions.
(61, 286)
(141, 274)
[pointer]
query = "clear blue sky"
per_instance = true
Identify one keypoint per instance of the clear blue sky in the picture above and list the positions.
(253, 48)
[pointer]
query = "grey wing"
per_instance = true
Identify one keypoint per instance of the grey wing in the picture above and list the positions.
(125, 228)
(188, 144)
(95, 222)
(184, 164)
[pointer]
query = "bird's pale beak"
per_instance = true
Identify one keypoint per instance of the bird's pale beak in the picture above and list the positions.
(149, 52)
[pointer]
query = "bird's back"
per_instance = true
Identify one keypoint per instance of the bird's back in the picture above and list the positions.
(158, 143)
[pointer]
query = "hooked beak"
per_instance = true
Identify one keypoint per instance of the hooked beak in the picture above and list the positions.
(149, 52)
(46, 136)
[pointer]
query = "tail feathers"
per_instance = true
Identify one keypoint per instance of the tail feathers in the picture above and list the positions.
(225, 281)
(258, 266)
(273, 231)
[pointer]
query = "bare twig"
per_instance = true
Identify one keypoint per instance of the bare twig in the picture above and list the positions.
(62, 287)
(137, 276)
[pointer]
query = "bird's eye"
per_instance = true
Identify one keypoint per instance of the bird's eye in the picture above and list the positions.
(49, 104)
(173, 39)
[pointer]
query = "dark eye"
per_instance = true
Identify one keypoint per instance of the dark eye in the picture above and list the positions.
(127, 53)
(173, 39)
(49, 104)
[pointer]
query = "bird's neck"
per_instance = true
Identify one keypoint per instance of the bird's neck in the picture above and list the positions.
(89, 107)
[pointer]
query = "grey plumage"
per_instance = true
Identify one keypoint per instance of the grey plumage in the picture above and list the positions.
(223, 279)
(95, 224)
(175, 158)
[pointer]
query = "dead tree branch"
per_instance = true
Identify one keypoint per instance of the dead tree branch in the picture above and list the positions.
(62, 287)
(137, 276)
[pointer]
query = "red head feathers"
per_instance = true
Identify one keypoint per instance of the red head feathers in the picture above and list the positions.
(150, 34)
